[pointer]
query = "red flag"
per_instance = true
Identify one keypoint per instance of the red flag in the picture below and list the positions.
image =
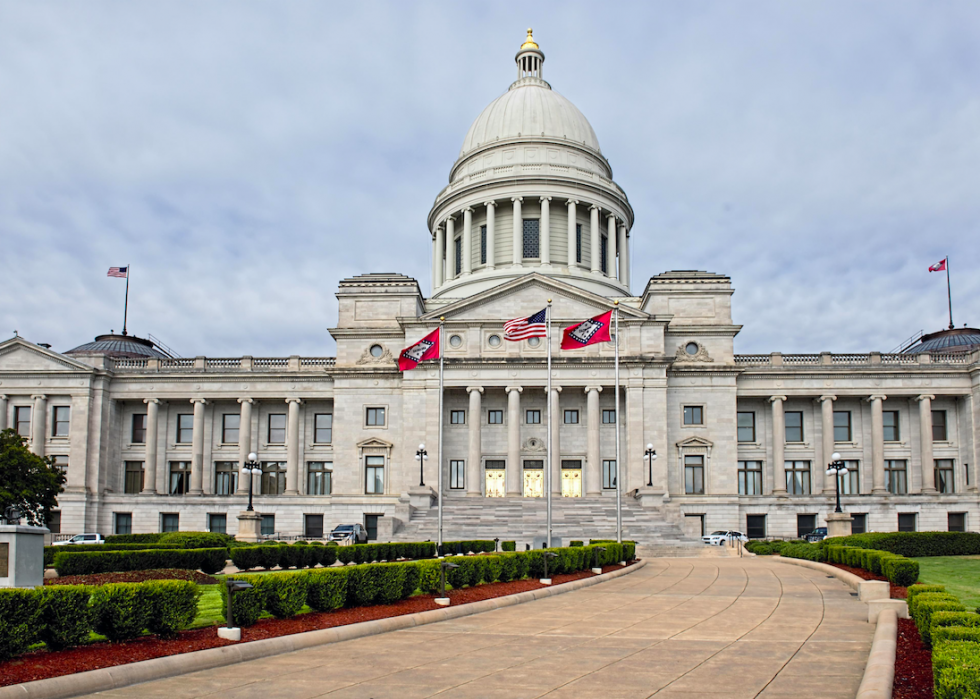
(588, 332)
(426, 348)
(939, 266)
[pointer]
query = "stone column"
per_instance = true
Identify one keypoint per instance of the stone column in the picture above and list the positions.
(518, 253)
(925, 444)
(610, 246)
(513, 482)
(244, 443)
(197, 448)
(467, 240)
(827, 428)
(594, 239)
(150, 460)
(572, 260)
(877, 446)
(439, 261)
(491, 233)
(556, 420)
(593, 467)
(39, 424)
(624, 268)
(451, 272)
(292, 447)
(544, 230)
(778, 446)
(474, 488)
(3, 412)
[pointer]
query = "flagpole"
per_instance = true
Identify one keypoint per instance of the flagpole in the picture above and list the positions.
(129, 269)
(548, 465)
(442, 320)
(619, 469)
(949, 294)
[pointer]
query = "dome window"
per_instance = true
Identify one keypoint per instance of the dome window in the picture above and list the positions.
(377, 350)
(692, 348)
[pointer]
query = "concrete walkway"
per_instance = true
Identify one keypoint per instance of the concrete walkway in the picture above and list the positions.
(723, 627)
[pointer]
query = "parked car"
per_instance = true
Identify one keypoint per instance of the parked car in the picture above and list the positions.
(82, 539)
(349, 534)
(720, 537)
(818, 534)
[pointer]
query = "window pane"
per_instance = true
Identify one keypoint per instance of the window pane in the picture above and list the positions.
(457, 474)
(134, 477)
(755, 526)
(225, 477)
(229, 429)
(750, 478)
(61, 420)
(939, 426)
(124, 522)
(458, 252)
(457, 417)
(268, 525)
(906, 522)
(798, 477)
(533, 417)
(495, 417)
(313, 526)
(805, 524)
(277, 429)
(794, 426)
(693, 415)
(273, 477)
(578, 242)
(571, 417)
(185, 429)
(531, 247)
(603, 248)
(22, 420)
(180, 474)
(746, 427)
(890, 423)
(323, 428)
(609, 474)
(859, 523)
(139, 429)
(374, 478)
(170, 522)
(842, 425)
(375, 417)
(694, 475)
(895, 477)
(956, 521)
(483, 245)
(218, 524)
(944, 475)
(608, 417)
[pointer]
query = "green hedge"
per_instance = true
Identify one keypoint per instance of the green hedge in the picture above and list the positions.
(66, 619)
(306, 556)
(51, 551)
(133, 538)
(896, 568)
(956, 670)
(809, 552)
(914, 544)
(197, 540)
(209, 561)
(508, 545)
(20, 613)
(470, 546)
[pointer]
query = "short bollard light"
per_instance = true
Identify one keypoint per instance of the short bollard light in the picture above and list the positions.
(230, 631)
(496, 541)
(443, 599)
(547, 554)
(596, 567)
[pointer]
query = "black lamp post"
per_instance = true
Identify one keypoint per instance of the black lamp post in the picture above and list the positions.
(651, 455)
(251, 467)
(421, 456)
(837, 468)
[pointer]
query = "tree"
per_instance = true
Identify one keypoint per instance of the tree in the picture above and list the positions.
(29, 481)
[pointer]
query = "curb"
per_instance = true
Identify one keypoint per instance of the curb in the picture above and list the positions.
(849, 579)
(108, 678)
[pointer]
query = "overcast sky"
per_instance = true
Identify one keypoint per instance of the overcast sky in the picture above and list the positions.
(244, 157)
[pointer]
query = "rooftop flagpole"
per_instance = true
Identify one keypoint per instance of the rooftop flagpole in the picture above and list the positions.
(949, 294)
(129, 268)
(442, 320)
(619, 469)
(548, 464)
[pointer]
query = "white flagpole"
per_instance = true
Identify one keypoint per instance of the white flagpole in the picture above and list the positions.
(442, 320)
(548, 465)
(619, 469)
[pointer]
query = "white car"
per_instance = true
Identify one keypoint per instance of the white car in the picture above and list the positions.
(81, 539)
(720, 537)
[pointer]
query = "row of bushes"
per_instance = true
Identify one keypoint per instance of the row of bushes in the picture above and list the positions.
(62, 616)
(472, 546)
(914, 544)
(308, 556)
(209, 561)
(187, 540)
(768, 548)
(51, 551)
(954, 635)
(898, 569)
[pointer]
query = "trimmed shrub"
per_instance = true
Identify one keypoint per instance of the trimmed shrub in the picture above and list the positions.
(759, 548)
(121, 610)
(575, 542)
(65, 618)
(925, 608)
(291, 557)
(346, 554)
(245, 557)
(173, 605)
(914, 544)
(268, 556)
(901, 571)
(327, 555)
(209, 561)
(133, 538)
(51, 551)
(197, 540)
(956, 670)
(428, 576)
(941, 634)
(326, 589)
(470, 546)
(508, 545)
(915, 590)
(284, 594)
(410, 584)
(20, 616)
(247, 605)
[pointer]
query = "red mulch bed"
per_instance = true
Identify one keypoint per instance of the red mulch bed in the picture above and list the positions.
(897, 591)
(134, 576)
(43, 664)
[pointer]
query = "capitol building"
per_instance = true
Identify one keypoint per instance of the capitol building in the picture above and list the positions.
(531, 213)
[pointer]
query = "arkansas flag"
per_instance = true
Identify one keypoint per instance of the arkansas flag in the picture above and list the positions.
(588, 332)
(426, 348)
(939, 266)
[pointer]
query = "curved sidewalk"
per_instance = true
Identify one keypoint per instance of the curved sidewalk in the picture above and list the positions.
(677, 628)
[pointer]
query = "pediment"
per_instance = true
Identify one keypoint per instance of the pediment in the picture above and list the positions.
(695, 442)
(18, 354)
(374, 443)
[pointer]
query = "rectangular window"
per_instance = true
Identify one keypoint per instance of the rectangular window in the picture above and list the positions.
(458, 255)
(571, 464)
(185, 428)
(571, 417)
(495, 417)
(794, 426)
(603, 248)
(849, 484)
(532, 417)
(180, 477)
(531, 239)
(319, 477)
(134, 478)
(939, 426)
(225, 477)
(273, 477)
(693, 415)
(798, 477)
(746, 427)
(457, 474)
(906, 522)
(578, 242)
(889, 420)
(495, 464)
(755, 526)
(483, 245)
(229, 428)
(457, 417)
(169, 522)
(608, 417)
(896, 479)
(313, 526)
(60, 420)
(61, 462)
(805, 524)
(944, 475)
(218, 523)
(122, 522)
(138, 433)
(268, 527)
(609, 474)
(323, 428)
(750, 477)
(956, 521)
(375, 467)
(842, 426)
(375, 417)
(22, 420)
(694, 475)
(859, 523)
(277, 429)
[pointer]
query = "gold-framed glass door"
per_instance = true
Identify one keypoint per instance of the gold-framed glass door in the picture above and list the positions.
(571, 483)
(533, 479)
(495, 482)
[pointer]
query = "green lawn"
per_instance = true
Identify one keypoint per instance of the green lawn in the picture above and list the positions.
(210, 610)
(960, 575)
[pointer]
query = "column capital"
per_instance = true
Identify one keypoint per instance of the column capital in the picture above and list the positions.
(39, 396)
(773, 399)
(450, 217)
(511, 389)
(467, 210)
(544, 199)
(3, 396)
(597, 389)
(595, 207)
(517, 199)
(556, 389)
(247, 400)
(572, 202)
(438, 228)
(874, 397)
(298, 401)
(155, 401)
(822, 399)
(490, 204)
(470, 389)
(202, 401)
(925, 396)
(611, 215)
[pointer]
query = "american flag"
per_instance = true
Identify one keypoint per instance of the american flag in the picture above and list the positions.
(121, 272)
(523, 328)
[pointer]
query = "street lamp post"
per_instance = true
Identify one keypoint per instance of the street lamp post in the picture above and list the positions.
(837, 468)
(421, 456)
(251, 467)
(651, 455)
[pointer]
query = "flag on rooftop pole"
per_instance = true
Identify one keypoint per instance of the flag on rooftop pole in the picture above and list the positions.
(426, 348)
(943, 266)
(121, 272)
(522, 328)
(588, 332)
(939, 266)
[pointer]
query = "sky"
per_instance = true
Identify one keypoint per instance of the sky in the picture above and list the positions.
(243, 157)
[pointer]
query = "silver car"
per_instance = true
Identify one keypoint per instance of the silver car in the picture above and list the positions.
(349, 534)
(82, 539)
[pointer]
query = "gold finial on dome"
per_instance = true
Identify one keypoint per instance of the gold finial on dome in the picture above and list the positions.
(529, 42)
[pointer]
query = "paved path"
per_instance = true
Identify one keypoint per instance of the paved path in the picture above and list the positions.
(682, 628)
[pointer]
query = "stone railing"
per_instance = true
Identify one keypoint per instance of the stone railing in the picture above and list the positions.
(222, 364)
(777, 359)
